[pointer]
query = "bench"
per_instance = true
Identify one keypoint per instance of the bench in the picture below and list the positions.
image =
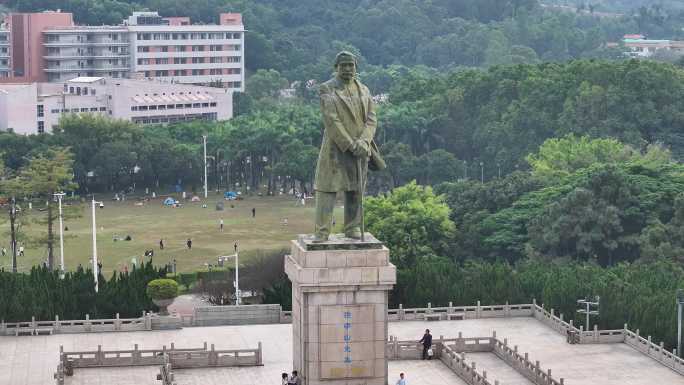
(433, 317)
(456, 316)
(39, 331)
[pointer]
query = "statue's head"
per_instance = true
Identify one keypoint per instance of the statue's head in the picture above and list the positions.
(345, 65)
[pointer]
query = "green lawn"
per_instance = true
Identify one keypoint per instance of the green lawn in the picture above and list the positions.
(147, 224)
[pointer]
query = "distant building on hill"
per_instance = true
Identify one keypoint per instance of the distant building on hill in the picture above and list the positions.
(32, 108)
(637, 46)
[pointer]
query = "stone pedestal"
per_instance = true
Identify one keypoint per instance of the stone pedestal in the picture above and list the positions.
(339, 310)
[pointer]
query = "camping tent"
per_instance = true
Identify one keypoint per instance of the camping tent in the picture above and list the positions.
(169, 201)
(195, 199)
(230, 195)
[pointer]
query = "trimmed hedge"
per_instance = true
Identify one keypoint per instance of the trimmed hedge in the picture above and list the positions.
(162, 288)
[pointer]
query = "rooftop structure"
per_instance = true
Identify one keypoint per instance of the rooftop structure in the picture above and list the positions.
(36, 107)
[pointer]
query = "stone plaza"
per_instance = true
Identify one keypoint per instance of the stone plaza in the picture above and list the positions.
(31, 360)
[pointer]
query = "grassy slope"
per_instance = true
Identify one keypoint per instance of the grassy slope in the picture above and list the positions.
(147, 224)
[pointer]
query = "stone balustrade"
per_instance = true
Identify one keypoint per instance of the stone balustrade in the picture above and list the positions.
(453, 352)
(185, 358)
(87, 325)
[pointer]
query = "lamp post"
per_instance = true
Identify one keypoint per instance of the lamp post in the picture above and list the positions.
(204, 141)
(587, 304)
(680, 303)
(95, 267)
(465, 169)
(482, 172)
(498, 166)
(237, 276)
(61, 233)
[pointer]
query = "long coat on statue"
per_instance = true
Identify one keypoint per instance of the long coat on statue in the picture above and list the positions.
(345, 120)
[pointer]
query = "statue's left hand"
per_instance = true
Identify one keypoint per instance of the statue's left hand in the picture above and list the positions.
(361, 149)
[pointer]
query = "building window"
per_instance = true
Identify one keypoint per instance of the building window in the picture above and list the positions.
(212, 104)
(93, 109)
(41, 127)
(161, 61)
(165, 48)
(197, 48)
(170, 106)
(84, 109)
(180, 48)
(144, 49)
(41, 111)
(197, 60)
(54, 111)
(205, 105)
(134, 108)
(103, 109)
(196, 105)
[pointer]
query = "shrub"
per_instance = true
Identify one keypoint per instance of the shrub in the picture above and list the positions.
(162, 289)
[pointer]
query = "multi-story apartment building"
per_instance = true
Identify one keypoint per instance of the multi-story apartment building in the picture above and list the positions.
(86, 51)
(4, 52)
(37, 107)
(146, 45)
(198, 54)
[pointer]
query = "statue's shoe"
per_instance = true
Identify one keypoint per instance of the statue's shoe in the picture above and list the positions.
(320, 238)
(353, 234)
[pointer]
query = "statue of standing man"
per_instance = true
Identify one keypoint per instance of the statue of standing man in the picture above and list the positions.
(347, 149)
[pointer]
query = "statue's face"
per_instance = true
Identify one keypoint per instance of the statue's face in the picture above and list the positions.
(346, 70)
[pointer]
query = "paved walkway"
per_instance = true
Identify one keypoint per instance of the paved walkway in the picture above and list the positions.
(32, 360)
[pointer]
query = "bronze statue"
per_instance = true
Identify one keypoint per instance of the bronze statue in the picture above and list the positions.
(347, 150)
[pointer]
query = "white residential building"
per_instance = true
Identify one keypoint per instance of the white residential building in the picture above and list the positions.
(37, 107)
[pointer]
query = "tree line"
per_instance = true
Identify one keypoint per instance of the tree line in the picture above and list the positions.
(44, 294)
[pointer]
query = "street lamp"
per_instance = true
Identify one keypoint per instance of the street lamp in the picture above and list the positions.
(59, 196)
(680, 303)
(95, 267)
(204, 141)
(482, 172)
(587, 303)
(224, 258)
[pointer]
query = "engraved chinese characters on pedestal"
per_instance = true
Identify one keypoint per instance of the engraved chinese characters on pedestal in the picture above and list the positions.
(347, 343)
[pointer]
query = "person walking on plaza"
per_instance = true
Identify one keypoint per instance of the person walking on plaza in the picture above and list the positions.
(189, 244)
(284, 379)
(161, 244)
(253, 212)
(427, 343)
(4, 251)
(401, 380)
(221, 225)
(21, 250)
